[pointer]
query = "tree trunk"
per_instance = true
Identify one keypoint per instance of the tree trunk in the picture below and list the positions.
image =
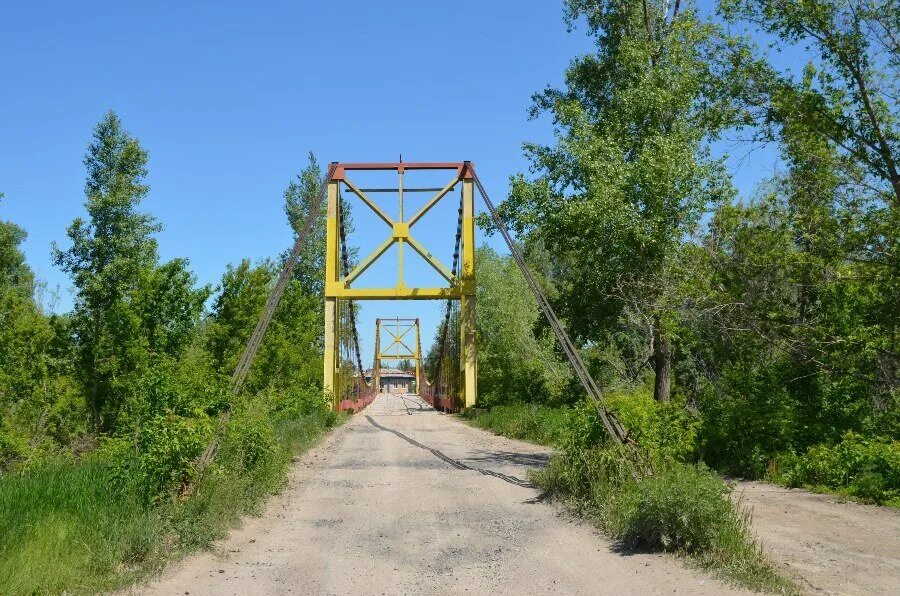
(662, 364)
(95, 406)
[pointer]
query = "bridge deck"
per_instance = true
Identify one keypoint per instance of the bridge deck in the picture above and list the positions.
(404, 500)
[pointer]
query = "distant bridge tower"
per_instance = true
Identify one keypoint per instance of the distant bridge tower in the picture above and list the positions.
(400, 347)
(460, 281)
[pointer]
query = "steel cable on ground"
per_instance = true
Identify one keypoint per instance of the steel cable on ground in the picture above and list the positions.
(259, 332)
(610, 422)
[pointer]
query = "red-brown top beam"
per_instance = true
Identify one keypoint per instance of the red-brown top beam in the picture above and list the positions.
(463, 168)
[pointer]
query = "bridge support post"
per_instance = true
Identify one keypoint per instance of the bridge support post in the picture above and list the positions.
(467, 354)
(419, 384)
(376, 373)
(331, 378)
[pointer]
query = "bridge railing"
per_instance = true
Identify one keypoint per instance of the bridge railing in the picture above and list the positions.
(439, 400)
(356, 395)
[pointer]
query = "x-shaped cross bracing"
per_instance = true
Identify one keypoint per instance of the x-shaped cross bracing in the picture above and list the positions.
(400, 232)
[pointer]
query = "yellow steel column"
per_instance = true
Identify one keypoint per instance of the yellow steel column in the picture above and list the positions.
(418, 361)
(332, 272)
(376, 374)
(338, 377)
(467, 354)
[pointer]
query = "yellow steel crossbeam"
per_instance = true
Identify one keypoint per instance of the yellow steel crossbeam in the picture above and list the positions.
(365, 199)
(398, 342)
(339, 290)
(367, 262)
(433, 201)
(398, 354)
(400, 232)
(430, 259)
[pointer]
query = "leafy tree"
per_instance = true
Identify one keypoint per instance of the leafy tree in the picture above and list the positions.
(293, 343)
(299, 198)
(36, 396)
(236, 310)
(126, 305)
(630, 174)
(849, 94)
(514, 363)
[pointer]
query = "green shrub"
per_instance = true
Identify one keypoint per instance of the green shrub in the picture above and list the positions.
(297, 402)
(662, 429)
(252, 442)
(681, 507)
(749, 418)
(538, 424)
(868, 469)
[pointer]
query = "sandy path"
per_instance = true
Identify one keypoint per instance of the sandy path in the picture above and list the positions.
(833, 547)
(403, 500)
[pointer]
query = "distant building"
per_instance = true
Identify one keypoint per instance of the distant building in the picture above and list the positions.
(394, 380)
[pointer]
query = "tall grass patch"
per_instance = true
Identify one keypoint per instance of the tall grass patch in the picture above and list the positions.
(100, 522)
(529, 422)
(680, 508)
(67, 527)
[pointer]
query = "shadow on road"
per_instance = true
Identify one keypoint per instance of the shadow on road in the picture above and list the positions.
(455, 463)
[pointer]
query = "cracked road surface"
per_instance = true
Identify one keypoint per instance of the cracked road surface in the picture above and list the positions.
(404, 500)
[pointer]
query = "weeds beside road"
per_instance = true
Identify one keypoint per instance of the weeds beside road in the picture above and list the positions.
(682, 508)
(71, 526)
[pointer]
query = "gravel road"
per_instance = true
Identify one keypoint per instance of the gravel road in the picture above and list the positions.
(404, 500)
(830, 546)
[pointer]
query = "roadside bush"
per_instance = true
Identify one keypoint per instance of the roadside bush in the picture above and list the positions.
(296, 402)
(749, 418)
(160, 459)
(252, 442)
(681, 507)
(868, 469)
(662, 429)
(539, 424)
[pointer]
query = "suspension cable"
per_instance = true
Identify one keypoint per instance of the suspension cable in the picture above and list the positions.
(610, 421)
(449, 306)
(243, 367)
(259, 332)
(345, 259)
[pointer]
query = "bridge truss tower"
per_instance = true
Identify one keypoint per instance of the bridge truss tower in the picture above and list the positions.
(460, 281)
(399, 348)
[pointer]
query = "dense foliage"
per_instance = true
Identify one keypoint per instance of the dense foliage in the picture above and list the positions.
(104, 411)
(758, 334)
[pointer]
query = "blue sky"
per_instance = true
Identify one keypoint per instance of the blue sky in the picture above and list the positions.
(229, 96)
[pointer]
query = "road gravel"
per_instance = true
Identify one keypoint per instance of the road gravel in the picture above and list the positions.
(404, 500)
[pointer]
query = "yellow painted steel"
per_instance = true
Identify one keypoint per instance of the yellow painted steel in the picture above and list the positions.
(460, 287)
(376, 373)
(332, 328)
(397, 335)
(467, 354)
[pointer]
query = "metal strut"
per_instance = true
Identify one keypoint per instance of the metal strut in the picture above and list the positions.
(345, 258)
(243, 366)
(613, 427)
(446, 333)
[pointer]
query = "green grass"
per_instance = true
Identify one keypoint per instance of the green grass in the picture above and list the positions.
(67, 526)
(64, 528)
(863, 469)
(682, 509)
(537, 424)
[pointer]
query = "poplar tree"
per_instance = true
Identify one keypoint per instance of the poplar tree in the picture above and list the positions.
(630, 174)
